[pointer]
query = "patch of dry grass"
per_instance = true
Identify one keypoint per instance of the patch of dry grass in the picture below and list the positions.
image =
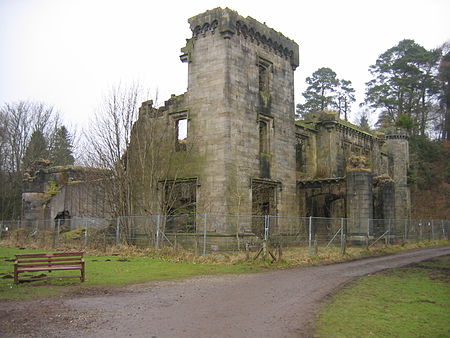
(295, 256)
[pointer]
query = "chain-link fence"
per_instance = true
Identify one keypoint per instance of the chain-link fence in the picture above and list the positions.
(207, 233)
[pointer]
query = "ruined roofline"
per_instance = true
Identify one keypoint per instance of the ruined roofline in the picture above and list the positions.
(228, 23)
(176, 103)
(311, 126)
(75, 168)
(329, 119)
(48, 168)
(354, 127)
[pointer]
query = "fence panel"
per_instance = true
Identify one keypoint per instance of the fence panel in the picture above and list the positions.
(205, 234)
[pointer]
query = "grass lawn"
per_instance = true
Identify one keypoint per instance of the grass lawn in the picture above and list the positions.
(136, 266)
(105, 271)
(412, 301)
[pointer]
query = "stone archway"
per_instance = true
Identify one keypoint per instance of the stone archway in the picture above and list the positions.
(325, 205)
(323, 198)
(62, 221)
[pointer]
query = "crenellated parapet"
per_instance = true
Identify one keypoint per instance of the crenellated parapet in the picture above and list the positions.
(229, 23)
(397, 134)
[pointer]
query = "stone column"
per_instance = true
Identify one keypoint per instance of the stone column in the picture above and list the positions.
(384, 208)
(359, 201)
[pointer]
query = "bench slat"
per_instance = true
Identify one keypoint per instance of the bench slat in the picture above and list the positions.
(43, 266)
(49, 268)
(49, 259)
(50, 254)
(49, 262)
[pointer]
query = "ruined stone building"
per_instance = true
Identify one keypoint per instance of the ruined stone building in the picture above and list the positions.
(61, 193)
(230, 144)
(244, 153)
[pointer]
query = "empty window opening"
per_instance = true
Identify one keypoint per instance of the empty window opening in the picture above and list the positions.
(263, 79)
(181, 133)
(299, 153)
(264, 67)
(263, 137)
(263, 203)
(180, 202)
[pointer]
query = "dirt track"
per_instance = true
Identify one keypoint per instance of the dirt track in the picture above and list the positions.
(272, 304)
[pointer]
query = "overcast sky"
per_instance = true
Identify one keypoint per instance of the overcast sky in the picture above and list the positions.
(68, 53)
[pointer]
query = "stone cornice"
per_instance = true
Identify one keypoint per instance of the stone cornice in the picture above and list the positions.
(229, 23)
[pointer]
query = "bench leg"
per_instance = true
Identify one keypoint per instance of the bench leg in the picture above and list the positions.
(82, 272)
(16, 275)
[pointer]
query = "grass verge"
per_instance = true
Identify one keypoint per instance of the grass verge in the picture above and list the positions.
(412, 301)
(130, 265)
(106, 271)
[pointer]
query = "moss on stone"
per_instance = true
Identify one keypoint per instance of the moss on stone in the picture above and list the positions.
(52, 188)
(306, 124)
(358, 163)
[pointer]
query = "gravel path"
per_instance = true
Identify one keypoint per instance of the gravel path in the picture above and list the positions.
(273, 304)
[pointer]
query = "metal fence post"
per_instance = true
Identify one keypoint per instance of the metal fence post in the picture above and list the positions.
(266, 227)
(443, 229)
(310, 237)
(420, 231)
(266, 235)
(85, 237)
(389, 233)
(342, 237)
(405, 231)
(57, 233)
(36, 230)
(85, 234)
(158, 225)
(204, 234)
(432, 230)
(117, 230)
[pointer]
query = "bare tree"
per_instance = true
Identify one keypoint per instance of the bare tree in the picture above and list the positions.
(162, 159)
(18, 121)
(108, 139)
(148, 157)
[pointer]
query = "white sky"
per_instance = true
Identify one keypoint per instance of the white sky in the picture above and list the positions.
(68, 53)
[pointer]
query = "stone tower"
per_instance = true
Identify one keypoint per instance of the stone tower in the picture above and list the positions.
(397, 146)
(241, 110)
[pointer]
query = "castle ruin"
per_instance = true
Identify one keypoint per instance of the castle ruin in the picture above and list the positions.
(244, 151)
(231, 145)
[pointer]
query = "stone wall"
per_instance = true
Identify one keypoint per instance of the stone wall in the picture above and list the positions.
(225, 56)
(243, 152)
(69, 191)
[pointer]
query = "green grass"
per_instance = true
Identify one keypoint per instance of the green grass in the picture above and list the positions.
(105, 272)
(412, 301)
(137, 266)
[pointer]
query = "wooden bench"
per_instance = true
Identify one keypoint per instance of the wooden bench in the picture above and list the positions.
(57, 261)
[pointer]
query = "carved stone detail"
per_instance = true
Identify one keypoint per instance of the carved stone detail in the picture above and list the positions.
(277, 48)
(204, 29)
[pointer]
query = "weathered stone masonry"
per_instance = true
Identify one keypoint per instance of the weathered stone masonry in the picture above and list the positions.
(255, 158)
(244, 153)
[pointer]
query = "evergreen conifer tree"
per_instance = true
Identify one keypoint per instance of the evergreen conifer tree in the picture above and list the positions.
(61, 147)
(36, 149)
